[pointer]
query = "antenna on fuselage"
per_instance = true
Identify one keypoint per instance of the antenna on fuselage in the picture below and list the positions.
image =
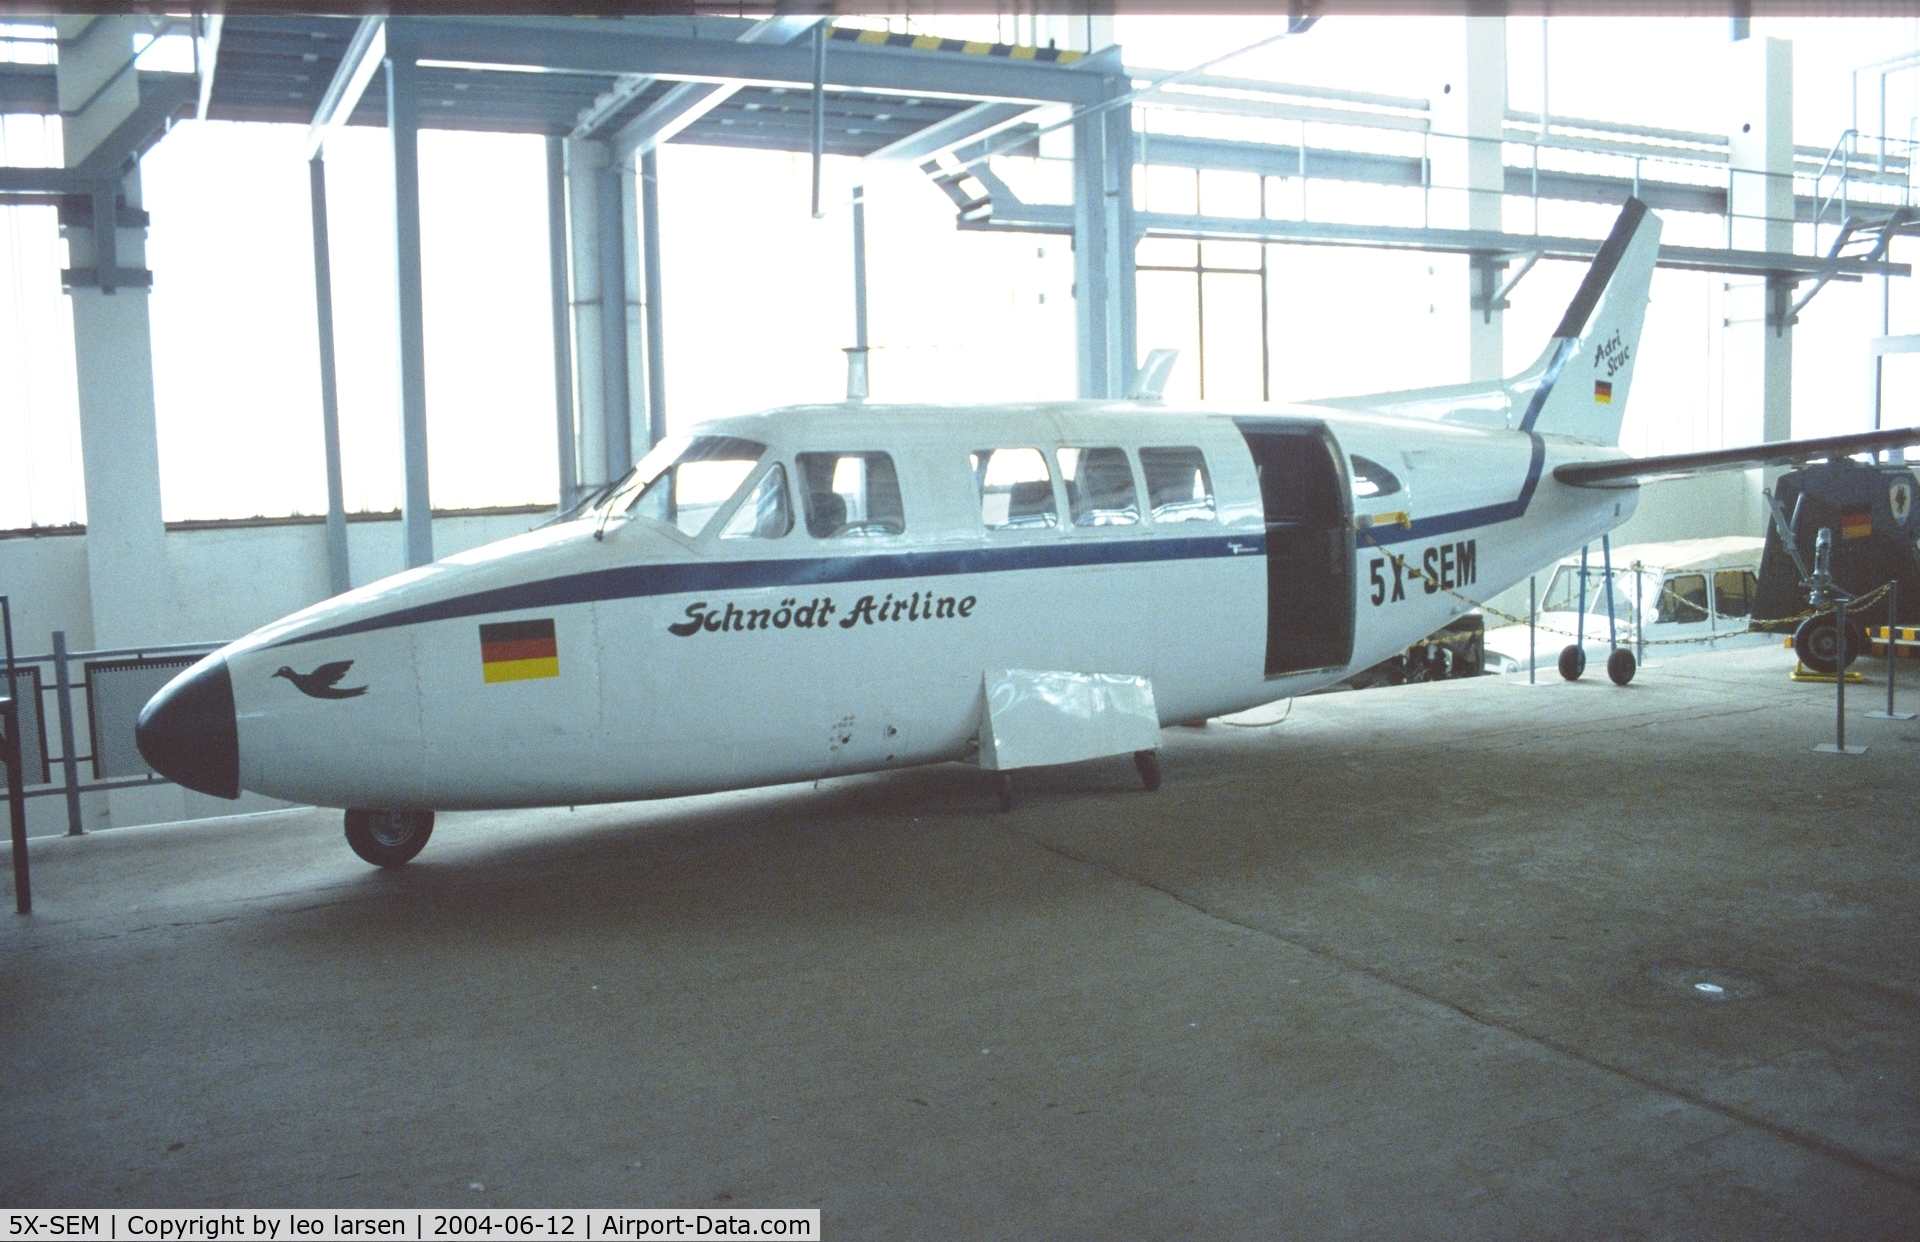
(856, 372)
(1150, 381)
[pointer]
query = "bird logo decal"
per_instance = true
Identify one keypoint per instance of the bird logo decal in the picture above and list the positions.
(322, 682)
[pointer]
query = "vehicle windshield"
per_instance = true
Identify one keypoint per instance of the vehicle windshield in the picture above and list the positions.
(1563, 592)
(684, 481)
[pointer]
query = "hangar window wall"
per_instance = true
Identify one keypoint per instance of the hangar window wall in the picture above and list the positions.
(39, 419)
(236, 370)
(749, 276)
(236, 375)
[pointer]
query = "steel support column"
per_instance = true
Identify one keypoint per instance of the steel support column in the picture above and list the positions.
(569, 479)
(618, 427)
(1468, 180)
(586, 163)
(860, 267)
(403, 126)
(1123, 283)
(1103, 245)
(1759, 340)
(339, 578)
(656, 326)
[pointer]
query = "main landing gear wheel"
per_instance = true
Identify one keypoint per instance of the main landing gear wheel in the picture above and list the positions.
(388, 838)
(1620, 666)
(1148, 761)
(1003, 786)
(1573, 662)
(1817, 643)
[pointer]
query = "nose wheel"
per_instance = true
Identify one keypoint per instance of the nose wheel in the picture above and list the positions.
(388, 838)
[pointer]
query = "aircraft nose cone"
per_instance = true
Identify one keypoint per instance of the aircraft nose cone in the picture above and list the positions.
(187, 731)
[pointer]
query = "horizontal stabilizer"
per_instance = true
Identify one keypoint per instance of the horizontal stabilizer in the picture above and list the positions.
(1635, 471)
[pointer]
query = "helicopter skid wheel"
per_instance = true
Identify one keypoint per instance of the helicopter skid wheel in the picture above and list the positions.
(1148, 763)
(1573, 662)
(388, 838)
(1003, 787)
(1620, 666)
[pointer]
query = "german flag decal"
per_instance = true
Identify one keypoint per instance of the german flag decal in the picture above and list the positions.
(1603, 391)
(1856, 521)
(518, 651)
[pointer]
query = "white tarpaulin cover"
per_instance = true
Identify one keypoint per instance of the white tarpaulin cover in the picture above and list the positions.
(1034, 717)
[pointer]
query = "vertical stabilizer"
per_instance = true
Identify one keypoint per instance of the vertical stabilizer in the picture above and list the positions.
(1579, 386)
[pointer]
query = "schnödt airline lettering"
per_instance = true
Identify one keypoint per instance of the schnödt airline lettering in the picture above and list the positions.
(818, 613)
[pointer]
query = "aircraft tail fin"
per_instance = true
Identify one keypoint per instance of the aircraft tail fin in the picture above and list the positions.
(1579, 386)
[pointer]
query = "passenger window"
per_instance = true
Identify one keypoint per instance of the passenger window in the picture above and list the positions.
(766, 514)
(1371, 479)
(851, 495)
(1016, 492)
(1683, 598)
(1099, 487)
(1733, 592)
(1178, 487)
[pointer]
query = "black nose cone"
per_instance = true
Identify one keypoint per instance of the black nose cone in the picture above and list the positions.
(187, 731)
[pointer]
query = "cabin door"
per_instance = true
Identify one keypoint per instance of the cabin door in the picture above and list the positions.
(1304, 490)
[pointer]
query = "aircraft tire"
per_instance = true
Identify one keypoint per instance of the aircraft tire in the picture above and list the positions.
(1148, 762)
(1004, 789)
(388, 838)
(1817, 643)
(1573, 662)
(1621, 665)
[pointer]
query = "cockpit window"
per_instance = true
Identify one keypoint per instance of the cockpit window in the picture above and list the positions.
(1371, 479)
(766, 514)
(684, 482)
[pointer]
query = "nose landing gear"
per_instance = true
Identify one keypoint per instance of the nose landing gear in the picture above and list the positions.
(388, 838)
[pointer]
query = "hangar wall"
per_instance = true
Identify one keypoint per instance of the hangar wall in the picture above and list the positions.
(215, 575)
(210, 574)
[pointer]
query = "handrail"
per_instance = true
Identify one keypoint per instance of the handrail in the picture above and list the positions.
(158, 649)
(1840, 189)
(65, 687)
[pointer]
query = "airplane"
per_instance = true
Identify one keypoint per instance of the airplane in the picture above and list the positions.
(823, 590)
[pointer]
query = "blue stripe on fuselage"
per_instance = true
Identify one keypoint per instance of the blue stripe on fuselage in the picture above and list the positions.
(1465, 519)
(639, 581)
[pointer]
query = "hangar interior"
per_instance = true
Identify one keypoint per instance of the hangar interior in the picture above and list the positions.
(776, 995)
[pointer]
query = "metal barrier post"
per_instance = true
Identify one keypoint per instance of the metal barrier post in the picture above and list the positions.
(1533, 619)
(16, 802)
(1580, 620)
(1606, 567)
(1893, 619)
(1839, 746)
(1639, 614)
(1840, 678)
(69, 763)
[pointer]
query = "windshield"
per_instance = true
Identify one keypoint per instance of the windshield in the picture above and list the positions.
(684, 481)
(1563, 592)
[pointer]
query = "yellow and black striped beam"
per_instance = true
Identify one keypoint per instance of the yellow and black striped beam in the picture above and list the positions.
(928, 43)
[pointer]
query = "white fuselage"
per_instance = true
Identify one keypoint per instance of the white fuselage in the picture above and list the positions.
(819, 657)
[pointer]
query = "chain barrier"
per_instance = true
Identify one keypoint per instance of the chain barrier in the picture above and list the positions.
(1778, 625)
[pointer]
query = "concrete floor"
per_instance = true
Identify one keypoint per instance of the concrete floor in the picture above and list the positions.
(1415, 963)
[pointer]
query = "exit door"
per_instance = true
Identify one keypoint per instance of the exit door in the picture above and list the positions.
(1304, 491)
